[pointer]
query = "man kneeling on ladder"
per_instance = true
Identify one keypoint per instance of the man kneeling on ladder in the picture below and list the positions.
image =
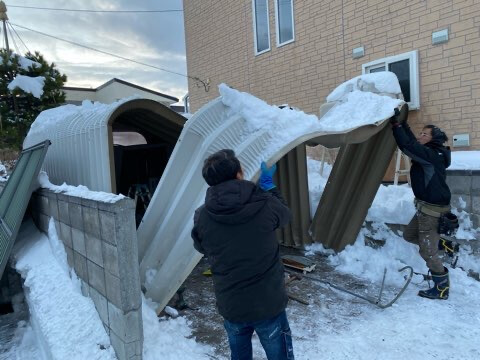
(430, 158)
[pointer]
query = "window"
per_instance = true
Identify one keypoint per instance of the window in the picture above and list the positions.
(261, 29)
(127, 138)
(405, 66)
(284, 21)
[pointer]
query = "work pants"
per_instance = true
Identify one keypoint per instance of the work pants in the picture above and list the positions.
(423, 231)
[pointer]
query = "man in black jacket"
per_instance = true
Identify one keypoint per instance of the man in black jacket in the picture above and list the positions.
(235, 229)
(430, 158)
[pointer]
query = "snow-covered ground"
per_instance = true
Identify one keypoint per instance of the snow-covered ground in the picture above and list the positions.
(68, 326)
(413, 327)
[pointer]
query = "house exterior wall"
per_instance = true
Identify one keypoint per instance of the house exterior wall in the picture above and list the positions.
(116, 91)
(77, 96)
(110, 93)
(220, 47)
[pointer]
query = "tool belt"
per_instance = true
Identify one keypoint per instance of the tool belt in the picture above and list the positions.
(448, 224)
(431, 209)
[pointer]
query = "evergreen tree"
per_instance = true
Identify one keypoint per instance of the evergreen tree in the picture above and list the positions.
(18, 115)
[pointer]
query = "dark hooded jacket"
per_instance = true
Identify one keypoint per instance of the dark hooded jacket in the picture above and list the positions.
(429, 163)
(235, 229)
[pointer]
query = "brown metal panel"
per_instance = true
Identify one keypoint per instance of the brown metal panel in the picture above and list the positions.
(292, 180)
(351, 188)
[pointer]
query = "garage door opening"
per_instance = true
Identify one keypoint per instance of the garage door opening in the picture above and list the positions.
(143, 142)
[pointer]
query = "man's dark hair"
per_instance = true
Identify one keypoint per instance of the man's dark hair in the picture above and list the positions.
(438, 136)
(220, 167)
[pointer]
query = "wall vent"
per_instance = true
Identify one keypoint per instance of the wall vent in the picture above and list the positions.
(358, 52)
(439, 37)
(461, 140)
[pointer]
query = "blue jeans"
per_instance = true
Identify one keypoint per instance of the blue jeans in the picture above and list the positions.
(274, 334)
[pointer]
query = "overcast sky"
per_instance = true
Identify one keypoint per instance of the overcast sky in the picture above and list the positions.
(155, 38)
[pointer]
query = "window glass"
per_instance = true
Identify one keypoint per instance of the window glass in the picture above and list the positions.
(261, 25)
(405, 66)
(285, 20)
(402, 70)
(376, 69)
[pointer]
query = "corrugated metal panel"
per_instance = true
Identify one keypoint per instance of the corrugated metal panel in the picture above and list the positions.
(292, 178)
(16, 195)
(292, 181)
(351, 188)
(82, 142)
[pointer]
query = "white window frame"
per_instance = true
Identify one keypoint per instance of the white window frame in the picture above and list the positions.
(277, 25)
(254, 18)
(412, 56)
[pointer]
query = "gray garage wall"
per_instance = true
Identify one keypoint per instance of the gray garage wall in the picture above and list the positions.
(465, 184)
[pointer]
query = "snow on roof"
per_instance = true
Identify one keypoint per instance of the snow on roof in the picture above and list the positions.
(32, 85)
(357, 108)
(86, 115)
(384, 82)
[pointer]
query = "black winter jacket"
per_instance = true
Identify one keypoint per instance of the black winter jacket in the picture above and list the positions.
(235, 229)
(429, 163)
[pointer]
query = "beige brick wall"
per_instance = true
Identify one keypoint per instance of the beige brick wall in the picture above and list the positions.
(220, 46)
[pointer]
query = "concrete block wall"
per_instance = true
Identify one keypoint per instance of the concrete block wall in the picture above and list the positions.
(465, 185)
(101, 244)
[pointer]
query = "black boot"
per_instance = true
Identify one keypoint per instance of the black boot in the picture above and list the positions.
(441, 286)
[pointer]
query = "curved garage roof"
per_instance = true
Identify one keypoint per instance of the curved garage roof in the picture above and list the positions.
(82, 140)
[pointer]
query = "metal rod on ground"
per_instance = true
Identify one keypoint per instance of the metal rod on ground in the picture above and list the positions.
(369, 299)
(383, 283)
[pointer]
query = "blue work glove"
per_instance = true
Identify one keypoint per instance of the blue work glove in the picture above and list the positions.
(266, 176)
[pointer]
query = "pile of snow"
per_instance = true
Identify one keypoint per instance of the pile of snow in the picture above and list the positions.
(466, 231)
(66, 325)
(169, 339)
(32, 85)
(316, 182)
(368, 263)
(465, 160)
(392, 204)
(3, 172)
(384, 82)
(78, 191)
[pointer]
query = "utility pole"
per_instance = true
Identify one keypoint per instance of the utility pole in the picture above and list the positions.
(4, 18)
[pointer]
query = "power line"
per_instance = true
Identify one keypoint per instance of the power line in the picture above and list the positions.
(13, 40)
(206, 84)
(15, 31)
(95, 11)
